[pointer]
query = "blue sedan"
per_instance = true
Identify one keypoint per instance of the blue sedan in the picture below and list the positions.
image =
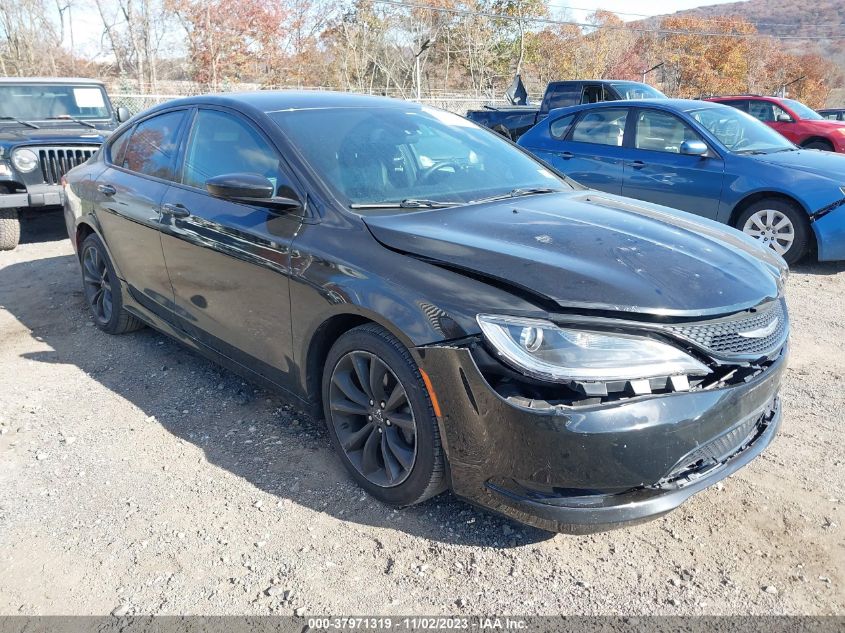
(705, 158)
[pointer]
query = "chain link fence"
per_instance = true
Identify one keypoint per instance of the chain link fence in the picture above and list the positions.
(459, 104)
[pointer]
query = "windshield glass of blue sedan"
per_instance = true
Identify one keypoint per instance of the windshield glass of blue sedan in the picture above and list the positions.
(37, 102)
(387, 155)
(740, 132)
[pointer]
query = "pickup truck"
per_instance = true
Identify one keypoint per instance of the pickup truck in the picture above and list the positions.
(47, 127)
(511, 122)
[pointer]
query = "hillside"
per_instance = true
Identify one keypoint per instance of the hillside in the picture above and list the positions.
(786, 18)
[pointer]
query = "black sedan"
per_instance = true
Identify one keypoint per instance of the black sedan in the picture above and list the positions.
(460, 314)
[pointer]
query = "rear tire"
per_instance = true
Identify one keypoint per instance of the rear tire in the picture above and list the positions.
(779, 224)
(10, 229)
(399, 462)
(822, 145)
(103, 290)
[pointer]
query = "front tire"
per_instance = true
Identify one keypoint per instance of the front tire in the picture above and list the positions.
(380, 417)
(779, 224)
(822, 145)
(103, 290)
(10, 229)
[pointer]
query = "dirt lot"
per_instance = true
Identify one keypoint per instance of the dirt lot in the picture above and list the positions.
(137, 476)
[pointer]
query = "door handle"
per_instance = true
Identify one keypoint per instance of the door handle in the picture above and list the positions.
(107, 190)
(176, 210)
(638, 164)
(567, 155)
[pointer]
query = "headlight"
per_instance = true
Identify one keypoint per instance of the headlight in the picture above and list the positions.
(545, 351)
(25, 160)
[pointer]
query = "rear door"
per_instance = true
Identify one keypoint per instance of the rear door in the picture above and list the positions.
(591, 150)
(229, 262)
(656, 171)
(128, 195)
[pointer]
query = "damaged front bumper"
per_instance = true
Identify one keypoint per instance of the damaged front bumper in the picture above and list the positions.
(829, 226)
(593, 468)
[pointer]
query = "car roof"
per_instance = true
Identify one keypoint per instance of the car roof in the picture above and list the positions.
(50, 80)
(735, 97)
(677, 105)
(285, 100)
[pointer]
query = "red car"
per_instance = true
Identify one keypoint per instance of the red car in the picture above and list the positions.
(799, 123)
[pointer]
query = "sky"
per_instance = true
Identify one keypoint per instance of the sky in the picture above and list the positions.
(88, 27)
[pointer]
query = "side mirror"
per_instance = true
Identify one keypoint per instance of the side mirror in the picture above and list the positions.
(694, 148)
(783, 118)
(123, 114)
(249, 189)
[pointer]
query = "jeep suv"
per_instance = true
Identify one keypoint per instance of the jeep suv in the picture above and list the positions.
(47, 126)
(794, 120)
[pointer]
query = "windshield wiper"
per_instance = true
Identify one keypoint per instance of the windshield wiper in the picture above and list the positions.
(17, 120)
(407, 203)
(521, 191)
(67, 117)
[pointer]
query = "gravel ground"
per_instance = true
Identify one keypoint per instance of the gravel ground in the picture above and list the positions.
(137, 476)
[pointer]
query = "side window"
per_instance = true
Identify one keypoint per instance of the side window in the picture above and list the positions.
(593, 93)
(560, 126)
(777, 111)
(739, 104)
(563, 95)
(662, 132)
(602, 127)
(116, 147)
(833, 116)
(763, 110)
(222, 143)
(152, 148)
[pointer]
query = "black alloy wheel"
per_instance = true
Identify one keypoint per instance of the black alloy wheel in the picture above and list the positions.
(103, 290)
(381, 419)
(373, 418)
(98, 287)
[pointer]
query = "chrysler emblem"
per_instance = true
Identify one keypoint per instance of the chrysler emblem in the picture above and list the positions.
(760, 332)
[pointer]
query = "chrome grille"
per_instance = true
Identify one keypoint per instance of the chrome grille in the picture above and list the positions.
(57, 161)
(750, 334)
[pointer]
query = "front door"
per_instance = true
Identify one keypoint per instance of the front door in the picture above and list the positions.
(592, 152)
(229, 262)
(128, 198)
(657, 171)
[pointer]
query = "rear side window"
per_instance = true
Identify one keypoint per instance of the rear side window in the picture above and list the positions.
(563, 95)
(602, 127)
(222, 143)
(560, 127)
(152, 148)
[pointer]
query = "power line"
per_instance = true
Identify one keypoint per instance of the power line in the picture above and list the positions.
(629, 29)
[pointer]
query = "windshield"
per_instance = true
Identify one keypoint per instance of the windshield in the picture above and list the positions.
(42, 102)
(633, 90)
(388, 155)
(805, 112)
(740, 132)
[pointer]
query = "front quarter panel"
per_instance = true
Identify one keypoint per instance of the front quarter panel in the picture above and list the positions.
(338, 268)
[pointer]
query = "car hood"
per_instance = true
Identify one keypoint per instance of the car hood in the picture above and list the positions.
(590, 250)
(65, 133)
(828, 164)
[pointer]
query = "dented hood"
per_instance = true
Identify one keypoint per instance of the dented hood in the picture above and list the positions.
(590, 250)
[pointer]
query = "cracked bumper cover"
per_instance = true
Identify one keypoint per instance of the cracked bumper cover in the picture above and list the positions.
(593, 468)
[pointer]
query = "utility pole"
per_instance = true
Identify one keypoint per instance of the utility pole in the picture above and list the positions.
(417, 73)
